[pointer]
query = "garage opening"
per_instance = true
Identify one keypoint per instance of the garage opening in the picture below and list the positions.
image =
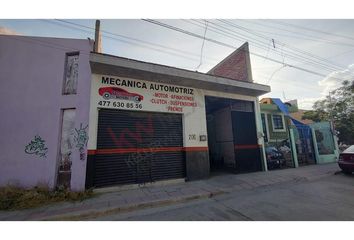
(138, 147)
(232, 136)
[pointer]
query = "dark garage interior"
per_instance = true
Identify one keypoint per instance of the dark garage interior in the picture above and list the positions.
(232, 136)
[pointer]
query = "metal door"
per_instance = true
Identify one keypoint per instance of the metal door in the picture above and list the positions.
(138, 147)
(304, 145)
(247, 150)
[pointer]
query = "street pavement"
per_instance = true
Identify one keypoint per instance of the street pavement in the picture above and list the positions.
(327, 199)
(307, 193)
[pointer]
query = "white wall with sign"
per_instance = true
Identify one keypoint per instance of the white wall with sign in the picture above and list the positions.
(122, 93)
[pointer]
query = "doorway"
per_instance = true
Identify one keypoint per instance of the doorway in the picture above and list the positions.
(232, 136)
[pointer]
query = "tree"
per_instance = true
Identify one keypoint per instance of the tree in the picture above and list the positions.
(315, 115)
(339, 107)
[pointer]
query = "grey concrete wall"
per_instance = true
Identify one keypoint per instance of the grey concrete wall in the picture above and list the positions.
(197, 165)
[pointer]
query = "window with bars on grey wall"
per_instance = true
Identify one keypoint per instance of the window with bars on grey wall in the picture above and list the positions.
(71, 73)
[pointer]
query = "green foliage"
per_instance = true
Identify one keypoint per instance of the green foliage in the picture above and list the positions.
(13, 198)
(316, 116)
(339, 106)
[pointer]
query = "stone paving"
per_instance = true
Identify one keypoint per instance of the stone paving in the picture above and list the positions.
(157, 195)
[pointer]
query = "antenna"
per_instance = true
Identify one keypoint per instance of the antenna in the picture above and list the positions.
(284, 95)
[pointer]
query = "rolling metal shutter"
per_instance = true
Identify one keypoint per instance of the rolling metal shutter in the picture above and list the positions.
(138, 147)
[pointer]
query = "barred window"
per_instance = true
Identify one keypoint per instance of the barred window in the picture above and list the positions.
(71, 73)
(278, 122)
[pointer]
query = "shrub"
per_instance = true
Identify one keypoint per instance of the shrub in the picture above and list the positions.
(13, 198)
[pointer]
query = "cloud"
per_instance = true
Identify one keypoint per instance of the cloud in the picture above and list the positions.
(307, 103)
(7, 31)
(330, 82)
(334, 79)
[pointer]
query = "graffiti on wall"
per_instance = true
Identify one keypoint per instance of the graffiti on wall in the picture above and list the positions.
(81, 138)
(37, 147)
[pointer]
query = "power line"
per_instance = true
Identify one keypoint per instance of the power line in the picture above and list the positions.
(71, 49)
(62, 47)
(225, 44)
(298, 36)
(288, 46)
(136, 44)
(47, 44)
(141, 41)
(293, 48)
(312, 38)
(262, 45)
(280, 81)
(311, 29)
(316, 56)
(257, 43)
(277, 70)
(342, 53)
(135, 40)
(201, 50)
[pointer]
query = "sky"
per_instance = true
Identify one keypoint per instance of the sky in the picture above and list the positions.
(325, 47)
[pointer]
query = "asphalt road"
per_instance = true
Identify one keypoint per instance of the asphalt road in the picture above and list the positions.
(329, 198)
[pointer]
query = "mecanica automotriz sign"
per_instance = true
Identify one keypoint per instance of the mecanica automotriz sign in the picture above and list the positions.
(132, 94)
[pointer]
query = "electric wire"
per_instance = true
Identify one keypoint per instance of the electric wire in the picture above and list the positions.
(311, 38)
(291, 47)
(135, 39)
(311, 29)
(226, 45)
(327, 63)
(201, 50)
(139, 42)
(58, 46)
(285, 64)
(264, 46)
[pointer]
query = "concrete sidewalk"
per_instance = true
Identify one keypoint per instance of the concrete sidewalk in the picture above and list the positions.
(157, 195)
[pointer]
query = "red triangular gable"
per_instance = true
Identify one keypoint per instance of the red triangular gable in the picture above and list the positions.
(236, 66)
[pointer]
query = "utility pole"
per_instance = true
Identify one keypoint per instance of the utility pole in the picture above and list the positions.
(332, 125)
(98, 42)
(331, 110)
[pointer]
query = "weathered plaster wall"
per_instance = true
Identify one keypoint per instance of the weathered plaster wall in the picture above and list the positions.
(31, 102)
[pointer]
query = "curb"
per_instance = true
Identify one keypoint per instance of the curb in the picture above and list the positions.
(128, 208)
(92, 211)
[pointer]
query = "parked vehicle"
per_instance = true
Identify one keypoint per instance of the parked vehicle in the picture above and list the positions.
(119, 93)
(342, 146)
(275, 158)
(346, 160)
